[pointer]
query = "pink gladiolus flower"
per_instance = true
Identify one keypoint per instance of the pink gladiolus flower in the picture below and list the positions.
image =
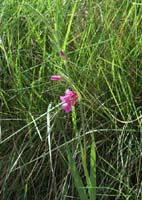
(69, 100)
(56, 78)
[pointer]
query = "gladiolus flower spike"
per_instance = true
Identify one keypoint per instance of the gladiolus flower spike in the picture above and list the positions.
(69, 100)
(56, 78)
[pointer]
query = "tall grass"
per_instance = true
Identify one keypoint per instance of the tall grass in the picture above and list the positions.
(94, 152)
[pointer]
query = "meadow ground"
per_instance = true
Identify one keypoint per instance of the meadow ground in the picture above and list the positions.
(95, 151)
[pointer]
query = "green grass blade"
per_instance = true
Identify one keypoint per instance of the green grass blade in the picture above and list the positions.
(76, 176)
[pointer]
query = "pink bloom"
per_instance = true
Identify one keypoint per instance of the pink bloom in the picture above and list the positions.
(62, 53)
(56, 78)
(69, 100)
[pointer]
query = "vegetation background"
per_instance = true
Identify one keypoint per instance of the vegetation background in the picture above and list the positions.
(94, 152)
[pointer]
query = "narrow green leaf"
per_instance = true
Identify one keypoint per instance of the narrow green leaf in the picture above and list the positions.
(76, 176)
(93, 169)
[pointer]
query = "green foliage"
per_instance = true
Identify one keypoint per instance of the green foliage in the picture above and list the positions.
(95, 152)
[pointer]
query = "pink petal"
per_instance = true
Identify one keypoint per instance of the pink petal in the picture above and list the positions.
(69, 92)
(65, 98)
(56, 78)
(67, 107)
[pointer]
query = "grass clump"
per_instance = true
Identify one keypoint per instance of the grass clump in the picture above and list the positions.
(94, 152)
